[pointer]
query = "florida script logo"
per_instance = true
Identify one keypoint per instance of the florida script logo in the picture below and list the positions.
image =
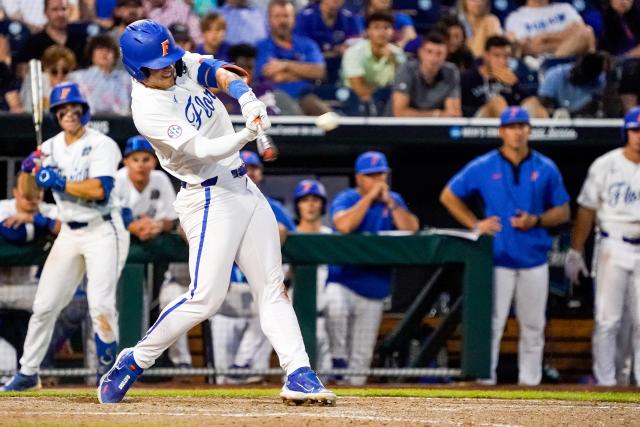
(197, 106)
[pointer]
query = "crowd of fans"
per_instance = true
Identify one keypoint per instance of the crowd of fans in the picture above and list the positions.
(439, 58)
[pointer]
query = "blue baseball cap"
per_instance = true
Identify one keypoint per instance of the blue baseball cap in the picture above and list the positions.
(513, 115)
(250, 158)
(632, 119)
(137, 143)
(372, 162)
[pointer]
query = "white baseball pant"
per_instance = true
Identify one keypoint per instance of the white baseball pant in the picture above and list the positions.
(617, 284)
(353, 322)
(179, 353)
(226, 222)
(529, 287)
(100, 250)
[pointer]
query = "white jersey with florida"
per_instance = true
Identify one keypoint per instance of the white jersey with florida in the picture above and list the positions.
(528, 22)
(24, 274)
(155, 200)
(612, 189)
(169, 118)
(93, 155)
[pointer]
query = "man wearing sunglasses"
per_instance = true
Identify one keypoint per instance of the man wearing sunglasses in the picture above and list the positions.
(79, 166)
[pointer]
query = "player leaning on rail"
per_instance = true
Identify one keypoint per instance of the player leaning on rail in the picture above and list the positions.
(79, 165)
(223, 213)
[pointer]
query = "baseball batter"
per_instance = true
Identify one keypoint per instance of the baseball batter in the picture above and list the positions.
(148, 197)
(223, 214)
(79, 165)
(610, 196)
(523, 194)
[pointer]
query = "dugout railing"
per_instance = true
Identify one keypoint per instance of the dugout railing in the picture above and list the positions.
(304, 252)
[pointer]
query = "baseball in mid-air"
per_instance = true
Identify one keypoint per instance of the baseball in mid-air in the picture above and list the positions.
(327, 121)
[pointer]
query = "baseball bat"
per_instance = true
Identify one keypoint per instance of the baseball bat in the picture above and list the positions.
(266, 146)
(35, 71)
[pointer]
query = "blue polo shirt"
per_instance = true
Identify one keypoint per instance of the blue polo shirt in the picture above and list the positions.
(303, 50)
(309, 23)
(369, 282)
(534, 186)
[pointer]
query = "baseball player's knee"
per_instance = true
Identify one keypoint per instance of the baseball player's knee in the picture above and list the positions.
(607, 325)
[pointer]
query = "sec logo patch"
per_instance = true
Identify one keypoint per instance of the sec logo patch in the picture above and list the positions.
(174, 131)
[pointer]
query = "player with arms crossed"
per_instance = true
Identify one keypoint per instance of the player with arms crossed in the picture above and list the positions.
(79, 165)
(611, 196)
(223, 214)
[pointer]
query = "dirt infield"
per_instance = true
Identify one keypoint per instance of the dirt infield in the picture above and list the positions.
(350, 411)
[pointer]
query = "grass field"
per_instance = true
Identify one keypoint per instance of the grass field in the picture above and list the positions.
(446, 393)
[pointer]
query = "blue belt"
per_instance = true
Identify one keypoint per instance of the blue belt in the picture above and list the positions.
(630, 240)
(75, 225)
(236, 173)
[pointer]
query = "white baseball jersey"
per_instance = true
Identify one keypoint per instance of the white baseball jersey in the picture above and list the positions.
(93, 155)
(18, 275)
(533, 21)
(612, 188)
(170, 118)
(155, 200)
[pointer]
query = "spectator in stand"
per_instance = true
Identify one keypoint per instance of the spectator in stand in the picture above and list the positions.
(181, 35)
(55, 32)
(457, 51)
(9, 85)
(277, 101)
(291, 61)
(576, 88)
(106, 89)
(354, 294)
(333, 28)
(403, 29)
(30, 12)
(493, 86)
(57, 63)
(630, 85)
(554, 29)
(621, 32)
(125, 12)
(245, 23)
(214, 28)
(479, 24)
(427, 86)
(369, 67)
(167, 12)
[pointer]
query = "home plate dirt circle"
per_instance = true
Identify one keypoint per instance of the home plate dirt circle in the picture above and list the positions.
(349, 411)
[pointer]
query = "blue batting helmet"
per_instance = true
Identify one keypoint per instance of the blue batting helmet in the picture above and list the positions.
(137, 143)
(309, 187)
(631, 121)
(147, 44)
(69, 93)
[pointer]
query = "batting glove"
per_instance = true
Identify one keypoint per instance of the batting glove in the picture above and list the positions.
(49, 178)
(252, 109)
(31, 162)
(574, 265)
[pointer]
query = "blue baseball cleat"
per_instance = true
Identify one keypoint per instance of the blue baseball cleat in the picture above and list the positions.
(22, 382)
(304, 388)
(115, 383)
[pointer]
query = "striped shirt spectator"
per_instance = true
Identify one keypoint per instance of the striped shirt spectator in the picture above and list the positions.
(167, 12)
(245, 24)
